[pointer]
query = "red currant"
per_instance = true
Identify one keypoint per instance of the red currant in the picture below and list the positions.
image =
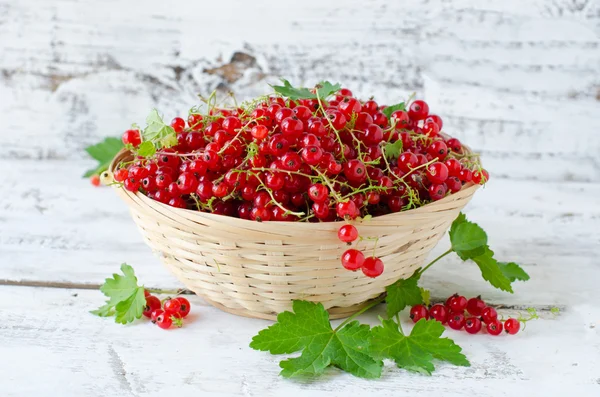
(418, 312)
(172, 306)
(95, 180)
(372, 267)
(494, 327)
(512, 326)
(489, 314)
(475, 306)
(353, 259)
(163, 320)
(347, 233)
(473, 325)
(457, 304)
(439, 312)
(456, 321)
(152, 303)
(418, 110)
(132, 137)
(346, 208)
(437, 172)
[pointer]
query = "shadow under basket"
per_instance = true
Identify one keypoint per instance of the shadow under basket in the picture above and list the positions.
(257, 269)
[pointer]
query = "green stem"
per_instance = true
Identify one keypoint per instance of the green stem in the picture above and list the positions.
(361, 311)
(435, 260)
(166, 291)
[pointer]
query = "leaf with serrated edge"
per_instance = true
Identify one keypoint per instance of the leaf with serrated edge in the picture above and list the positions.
(513, 271)
(146, 149)
(120, 287)
(416, 351)
(308, 329)
(392, 108)
(392, 150)
(403, 293)
(467, 239)
(103, 152)
(426, 296)
(131, 308)
(104, 311)
(491, 272)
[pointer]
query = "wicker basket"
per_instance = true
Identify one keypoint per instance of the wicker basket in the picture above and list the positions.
(256, 269)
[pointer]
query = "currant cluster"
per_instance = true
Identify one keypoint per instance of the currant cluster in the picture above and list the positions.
(278, 159)
(164, 314)
(353, 259)
(472, 315)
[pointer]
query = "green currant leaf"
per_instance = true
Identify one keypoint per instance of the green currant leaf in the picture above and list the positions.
(308, 329)
(158, 133)
(120, 287)
(513, 271)
(324, 89)
(426, 296)
(491, 271)
(391, 109)
(103, 152)
(146, 149)
(104, 311)
(417, 351)
(131, 308)
(403, 293)
(392, 150)
(468, 239)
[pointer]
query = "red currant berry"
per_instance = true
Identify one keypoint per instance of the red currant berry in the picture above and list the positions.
(437, 172)
(454, 145)
(401, 118)
(312, 155)
(260, 214)
(132, 184)
(132, 137)
(259, 132)
(489, 315)
(453, 184)
(465, 175)
(318, 192)
(353, 259)
(418, 312)
(195, 121)
(231, 124)
(95, 180)
(438, 149)
(480, 178)
(407, 161)
(154, 315)
(347, 233)
(371, 107)
(372, 267)
(430, 129)
(512, 326)
(121, 174)
(302, 112)
(473, 325)
(187, 183)
(172, 306)
(435, 119)
(355, 171)
(152, 303)
(475, 306)
(457, 304)
(418, 110)
(439, 312)
(456, 321)
(337, 119)
(321, 209)
(346, 208)
(292, 127)
(494, 327)
(177, 202)
(178, 124)
(373, 135)
(163, 320)
(437, 191)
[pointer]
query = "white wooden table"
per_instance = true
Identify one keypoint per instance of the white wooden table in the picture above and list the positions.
(520, 81)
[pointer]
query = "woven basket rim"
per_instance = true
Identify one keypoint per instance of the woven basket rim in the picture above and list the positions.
(142, 198)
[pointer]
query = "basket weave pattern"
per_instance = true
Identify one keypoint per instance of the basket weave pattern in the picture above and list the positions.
(256, 269)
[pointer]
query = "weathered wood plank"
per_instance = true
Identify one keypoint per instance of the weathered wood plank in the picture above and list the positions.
(49, 340)
(516, 81)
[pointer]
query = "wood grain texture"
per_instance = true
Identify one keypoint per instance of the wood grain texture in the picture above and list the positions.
(48, 344)
(519, 82)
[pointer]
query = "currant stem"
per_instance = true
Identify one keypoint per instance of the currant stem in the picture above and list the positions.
(435, 260)
(361, 311)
